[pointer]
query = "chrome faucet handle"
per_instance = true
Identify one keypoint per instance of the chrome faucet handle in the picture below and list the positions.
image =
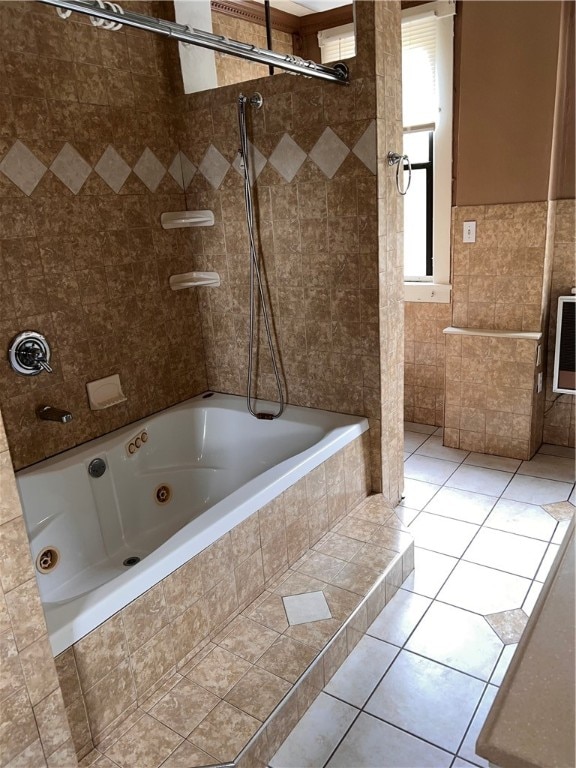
(44, 365)
(29, 354)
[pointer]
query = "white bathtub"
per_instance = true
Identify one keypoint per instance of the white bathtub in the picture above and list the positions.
(220, 464)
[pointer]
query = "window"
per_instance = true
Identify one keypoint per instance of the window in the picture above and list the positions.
(427, 60)
(337, 43)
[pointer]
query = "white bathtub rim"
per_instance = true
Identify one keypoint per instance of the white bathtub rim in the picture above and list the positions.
(66, 627)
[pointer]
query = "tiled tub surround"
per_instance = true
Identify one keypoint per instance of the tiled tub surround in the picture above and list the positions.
(490, 392)
(98, 263)
(201, 468)
(233, 639)
(88, 161)
(559, 418)
(33, 724)
(327, 234)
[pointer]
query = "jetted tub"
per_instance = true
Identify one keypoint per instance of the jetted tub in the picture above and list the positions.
(172, 484)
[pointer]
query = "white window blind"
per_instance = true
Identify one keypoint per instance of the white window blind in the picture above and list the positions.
(419, 87)
(337, 43)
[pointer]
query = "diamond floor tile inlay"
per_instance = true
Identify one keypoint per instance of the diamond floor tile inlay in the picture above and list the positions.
(310, 606)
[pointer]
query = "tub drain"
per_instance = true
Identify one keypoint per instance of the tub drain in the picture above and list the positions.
(163, 494)
(47, 559)
(131, 561)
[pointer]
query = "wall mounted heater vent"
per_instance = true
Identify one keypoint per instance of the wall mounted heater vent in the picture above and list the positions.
(564, 353)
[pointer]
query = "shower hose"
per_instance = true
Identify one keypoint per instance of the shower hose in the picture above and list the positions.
(255, 275)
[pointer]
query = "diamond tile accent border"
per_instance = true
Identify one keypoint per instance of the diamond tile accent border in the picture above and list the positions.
(214, 166)
(175, 170)
(329, 152)
(365, 148)
(149, 170)
(287, 157)
(256, 161)
(23, 168)
(71, 168)
(112, 168)
(188, 170)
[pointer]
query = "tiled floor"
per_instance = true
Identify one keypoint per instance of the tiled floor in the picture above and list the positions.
(416, 690)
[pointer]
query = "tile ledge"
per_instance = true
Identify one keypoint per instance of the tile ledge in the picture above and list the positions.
(527, 335)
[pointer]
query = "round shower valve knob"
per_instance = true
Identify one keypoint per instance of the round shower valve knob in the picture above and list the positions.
(29, 354)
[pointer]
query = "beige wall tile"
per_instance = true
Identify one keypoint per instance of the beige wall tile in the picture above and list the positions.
(99, 652)
(152, 661)
(110, 697)
(182, 588)
(249, 578)
(39, 670)
(144, 617)
(190, 628)
(52, 722)
(12, 679)
(26, 614)
(9, 500)
(18, 725)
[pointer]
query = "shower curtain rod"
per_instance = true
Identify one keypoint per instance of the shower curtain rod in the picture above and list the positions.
(338, 73)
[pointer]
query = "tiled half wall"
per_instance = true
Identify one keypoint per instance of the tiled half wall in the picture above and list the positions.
(105, 675)
(509, 280)
(34, 729)
(560, 412)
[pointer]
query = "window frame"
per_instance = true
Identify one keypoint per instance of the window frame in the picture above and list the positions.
(428, 167)
(437, 288)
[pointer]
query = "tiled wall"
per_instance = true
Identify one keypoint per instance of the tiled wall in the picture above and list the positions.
(385, 35)
(497, 281)
(107, 673)
(88, 161)
(559, 426)
(499, 284)
(34, 730)
(230, 69)
(90, 156)
(489, 394)
(424, 350)
(317, 209)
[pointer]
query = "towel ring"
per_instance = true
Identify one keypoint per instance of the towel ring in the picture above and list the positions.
(398, 160)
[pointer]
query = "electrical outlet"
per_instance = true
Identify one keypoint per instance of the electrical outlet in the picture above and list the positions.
(540, 382)
(538, 355)
(469, 232)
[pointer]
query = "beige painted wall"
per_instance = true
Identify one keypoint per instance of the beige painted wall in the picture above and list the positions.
(503, 103)
(506, 60)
